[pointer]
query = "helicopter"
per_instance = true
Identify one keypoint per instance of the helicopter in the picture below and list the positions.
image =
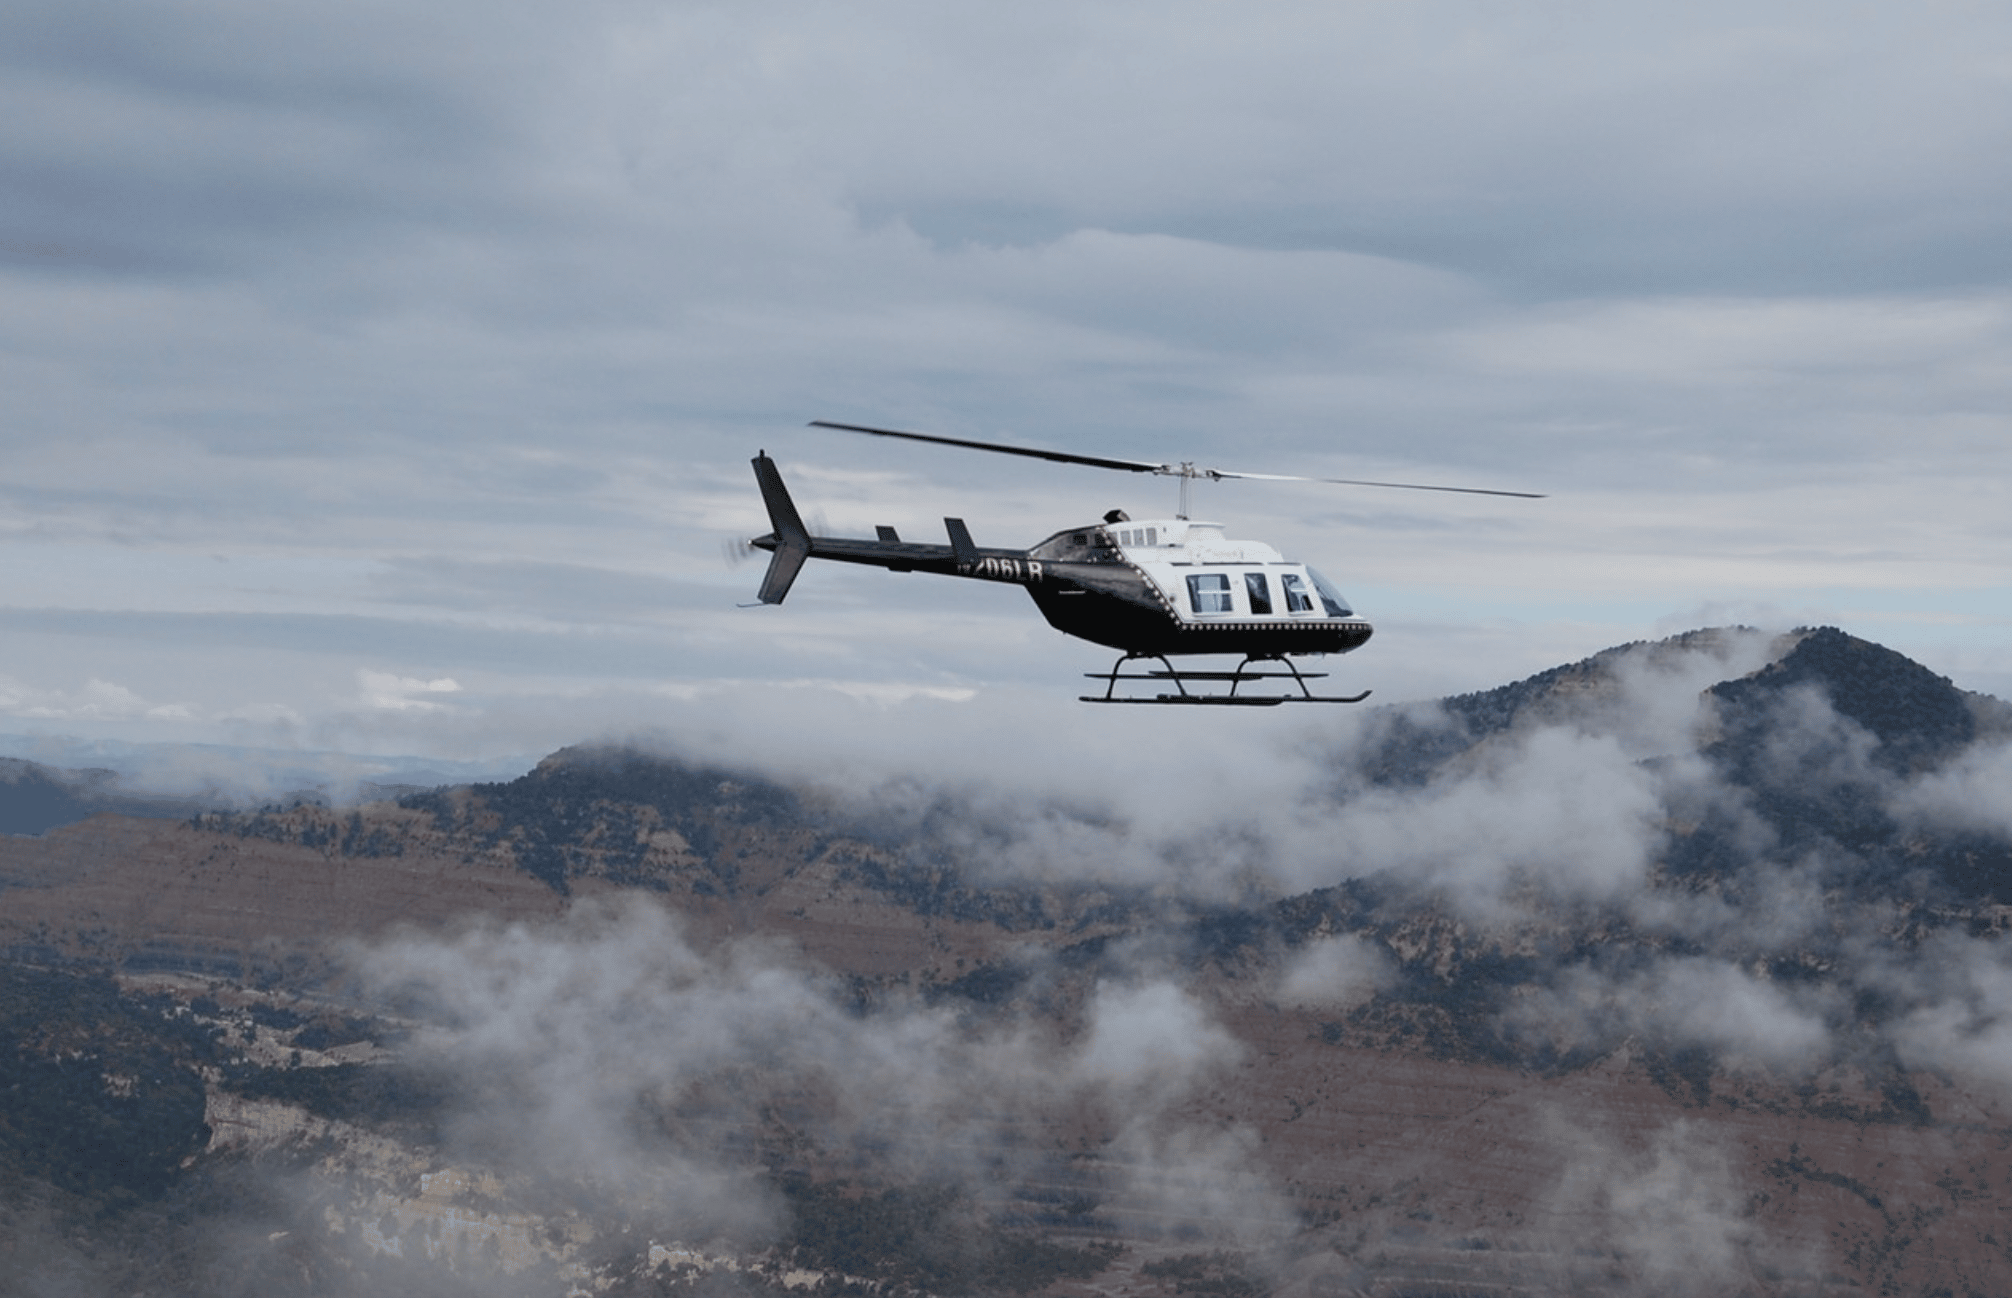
(1154, 589)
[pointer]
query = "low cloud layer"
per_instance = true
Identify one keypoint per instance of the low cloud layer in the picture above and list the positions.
(607, 1051)
(1720, 862)
(1755, 860)
(1548, 827)
(1688, 1003)
(1664, 1206)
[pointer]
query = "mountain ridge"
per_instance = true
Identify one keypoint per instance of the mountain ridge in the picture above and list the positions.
(1729, 943)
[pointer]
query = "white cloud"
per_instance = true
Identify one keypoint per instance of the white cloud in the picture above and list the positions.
(1681, 1003)
(1740, 1017)
(1973, 792)
(400, 693)
(1960, 1014)
(1150, 1043)
(1668, 1205)
(95, 701)
(1340, 970)
(606, 1047)
(1564, 811)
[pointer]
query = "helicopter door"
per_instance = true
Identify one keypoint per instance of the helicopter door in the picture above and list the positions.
(1297, 598)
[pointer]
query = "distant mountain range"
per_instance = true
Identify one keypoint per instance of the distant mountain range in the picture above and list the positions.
(49, 782)
(35, 798)
(1677, 969)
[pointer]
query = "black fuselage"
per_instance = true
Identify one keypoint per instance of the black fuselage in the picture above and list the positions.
(1197, 594)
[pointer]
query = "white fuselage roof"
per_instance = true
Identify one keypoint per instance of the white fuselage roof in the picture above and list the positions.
(1169, 551)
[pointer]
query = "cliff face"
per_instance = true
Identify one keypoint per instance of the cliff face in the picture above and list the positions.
(1669, 971)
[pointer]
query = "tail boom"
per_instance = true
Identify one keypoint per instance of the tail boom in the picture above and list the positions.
(791, 544)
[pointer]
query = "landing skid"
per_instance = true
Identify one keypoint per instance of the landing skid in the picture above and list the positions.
(1236, 679)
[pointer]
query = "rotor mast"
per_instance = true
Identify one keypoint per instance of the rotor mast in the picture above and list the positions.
(1187, 473)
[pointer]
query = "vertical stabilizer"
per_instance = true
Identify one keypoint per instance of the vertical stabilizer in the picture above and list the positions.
(792, 539)
(961, 543)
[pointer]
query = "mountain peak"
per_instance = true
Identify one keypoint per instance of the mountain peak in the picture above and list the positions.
(1919, 718)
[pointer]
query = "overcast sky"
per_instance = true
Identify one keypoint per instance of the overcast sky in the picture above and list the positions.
(383, 377)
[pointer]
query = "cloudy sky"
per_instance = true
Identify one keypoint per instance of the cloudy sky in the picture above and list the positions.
(383, 378)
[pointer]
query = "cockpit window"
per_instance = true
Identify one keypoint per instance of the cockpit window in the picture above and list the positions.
(1329, 596)
(1259, 592)
(1296, 598)
(1209, 592)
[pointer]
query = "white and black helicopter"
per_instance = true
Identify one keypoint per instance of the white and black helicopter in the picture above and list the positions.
(1151, 588)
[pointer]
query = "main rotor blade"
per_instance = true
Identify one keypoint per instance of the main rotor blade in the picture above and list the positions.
(1168, 470)
(1357, 482)
(1062, 457)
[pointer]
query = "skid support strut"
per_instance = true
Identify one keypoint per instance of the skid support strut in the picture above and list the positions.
(1180, 681)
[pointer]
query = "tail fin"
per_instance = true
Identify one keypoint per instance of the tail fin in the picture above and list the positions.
(792, 538)
(961, 543)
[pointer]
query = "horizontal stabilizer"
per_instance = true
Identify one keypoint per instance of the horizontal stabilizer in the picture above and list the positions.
(782, 570)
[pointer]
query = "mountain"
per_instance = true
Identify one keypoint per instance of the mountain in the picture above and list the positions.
(1678, 969)
(68, 780)
(35, 798)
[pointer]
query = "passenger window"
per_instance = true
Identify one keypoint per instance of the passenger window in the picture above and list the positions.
(1297, 600)
(1152, 535)
(1259, 591)
(1209, 592)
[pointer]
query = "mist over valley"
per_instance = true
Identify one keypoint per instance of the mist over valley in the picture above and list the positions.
(1680, 969)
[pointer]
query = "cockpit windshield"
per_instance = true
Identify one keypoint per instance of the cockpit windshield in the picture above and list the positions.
(1329, 596)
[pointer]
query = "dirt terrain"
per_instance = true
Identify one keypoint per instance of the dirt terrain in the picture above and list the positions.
(1410, 1170)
